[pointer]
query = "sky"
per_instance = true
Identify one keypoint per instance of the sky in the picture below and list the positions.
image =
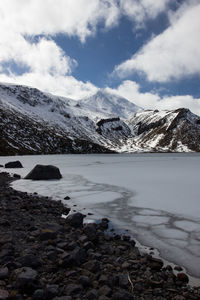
(147, 51)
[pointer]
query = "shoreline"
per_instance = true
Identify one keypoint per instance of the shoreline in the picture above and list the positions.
(44, 256)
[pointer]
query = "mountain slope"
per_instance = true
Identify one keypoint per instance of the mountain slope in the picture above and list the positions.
(176, 130)
(107, 105)
(35, 122)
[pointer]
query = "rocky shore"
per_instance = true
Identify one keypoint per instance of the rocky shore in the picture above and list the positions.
(46, 256)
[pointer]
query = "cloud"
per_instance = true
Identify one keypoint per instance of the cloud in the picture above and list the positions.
(131, 90)
(45, 65)
(141, 10)
(173, 54)
(66, 86)
(35, 17)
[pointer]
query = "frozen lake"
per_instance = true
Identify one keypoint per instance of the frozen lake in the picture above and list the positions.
(155, 196)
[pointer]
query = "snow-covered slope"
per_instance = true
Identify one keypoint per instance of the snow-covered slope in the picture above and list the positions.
(35, 122)
(107, 105)
(175, 130)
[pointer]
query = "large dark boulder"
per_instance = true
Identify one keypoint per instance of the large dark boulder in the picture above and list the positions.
(42, 172)
(14, 164)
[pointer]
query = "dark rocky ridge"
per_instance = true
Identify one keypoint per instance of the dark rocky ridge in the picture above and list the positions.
(43, 256)
(22, 135)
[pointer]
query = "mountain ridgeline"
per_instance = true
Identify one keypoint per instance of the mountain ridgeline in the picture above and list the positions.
(34, 122)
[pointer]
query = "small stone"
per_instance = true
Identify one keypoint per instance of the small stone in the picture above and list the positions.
(4, 273)
(73, 289)
(123, 281)
(38, 295)
(85, 281)
(178, 268)
(93, 266)
(122, 295)
(183, 277)
(51, 291)
(155, 263)
(105, 290)
(25, 276)
(47, 234)
(67, 198)
(3, 294)
(92, 295)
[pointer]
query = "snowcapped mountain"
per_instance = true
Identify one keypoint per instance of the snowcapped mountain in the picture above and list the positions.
(35, 122)
(107, 105)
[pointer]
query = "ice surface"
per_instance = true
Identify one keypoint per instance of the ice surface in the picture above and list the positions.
(154, 196)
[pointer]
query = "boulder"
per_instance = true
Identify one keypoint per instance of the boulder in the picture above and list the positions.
(13, 164)
(43, 172)
(75, 220)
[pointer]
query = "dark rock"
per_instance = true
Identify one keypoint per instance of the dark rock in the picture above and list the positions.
(85, 281)
(122, 295)
(51, 291)
(183, 277)
(123, 281)
(105, 290)
(67, 198)
(155, 263)
(92, 295)
(79, 255)
(63, 298)
(47, 234)
(178, 268)
(75, 220)
(73, 289)
(91, 232)
(17, 176)
(13, 164)
(38, 295)
(44, 172)
(29, 260)
(93, 266)
(3, 294)
(25, 276)
(4, 273)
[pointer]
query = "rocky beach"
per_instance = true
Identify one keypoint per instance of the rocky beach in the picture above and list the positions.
(46, 256)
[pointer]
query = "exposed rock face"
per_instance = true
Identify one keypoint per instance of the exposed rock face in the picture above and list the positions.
(42, 172)
(14, 164)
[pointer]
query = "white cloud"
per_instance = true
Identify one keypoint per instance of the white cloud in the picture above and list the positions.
(66, 86)
(173, 54)
(131, 90)
(141, 10)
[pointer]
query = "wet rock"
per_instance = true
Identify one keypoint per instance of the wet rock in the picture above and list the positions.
(44, 172)
(183, 277)
(75, 220)
(13, 164)
(155, 263)
(178, 268)
(67, 198)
